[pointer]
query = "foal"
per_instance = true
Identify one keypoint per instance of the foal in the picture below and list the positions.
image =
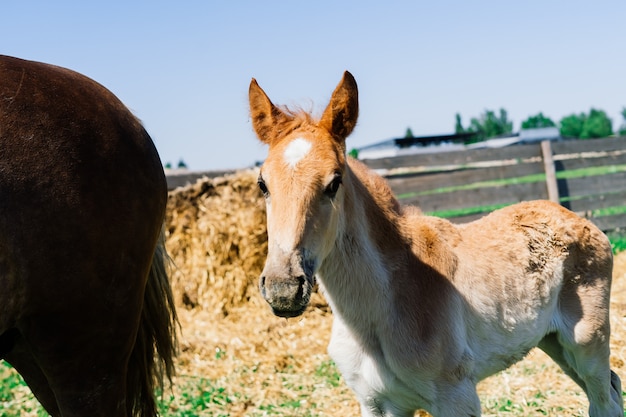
(424, 309)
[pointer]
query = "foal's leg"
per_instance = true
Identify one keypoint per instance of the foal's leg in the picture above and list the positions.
(383, 407)
(603, 386)
(563, 358)
(584, 345)
(552, 347)
(457, 400)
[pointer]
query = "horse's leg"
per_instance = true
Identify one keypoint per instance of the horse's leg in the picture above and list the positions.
(85, 364)
(382, 407)
(25, 364)
(552, 347)
(603, 386)
(457, 400)
(584, 341)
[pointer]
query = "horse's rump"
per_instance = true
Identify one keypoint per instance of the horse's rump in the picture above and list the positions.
(82, 203)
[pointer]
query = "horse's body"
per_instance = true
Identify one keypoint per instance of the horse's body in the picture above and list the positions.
(84, 298)
(424, 309)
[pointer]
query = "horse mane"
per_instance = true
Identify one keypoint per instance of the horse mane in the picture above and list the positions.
(297, 118)
(377, 187)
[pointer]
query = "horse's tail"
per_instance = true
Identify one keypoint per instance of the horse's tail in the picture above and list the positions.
(152, 358)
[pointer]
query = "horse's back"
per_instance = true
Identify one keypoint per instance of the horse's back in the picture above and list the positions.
(537, 248)
(541, 231)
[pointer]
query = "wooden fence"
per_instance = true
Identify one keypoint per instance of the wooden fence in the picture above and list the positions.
(586, 176)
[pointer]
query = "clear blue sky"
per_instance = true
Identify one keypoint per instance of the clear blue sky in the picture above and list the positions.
(184, 67)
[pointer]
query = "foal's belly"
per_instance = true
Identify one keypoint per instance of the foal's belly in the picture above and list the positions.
(498, 345)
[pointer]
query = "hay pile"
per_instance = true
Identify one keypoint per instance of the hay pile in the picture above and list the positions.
(216, 236)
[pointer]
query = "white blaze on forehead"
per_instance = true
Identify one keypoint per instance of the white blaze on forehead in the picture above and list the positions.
(296, 150)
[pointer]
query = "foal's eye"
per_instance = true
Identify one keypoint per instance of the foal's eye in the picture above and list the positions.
(263, 187)
(333, 187)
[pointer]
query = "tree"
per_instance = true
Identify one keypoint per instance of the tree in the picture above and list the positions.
(537, 121)
(488, 125)
(458, 126)
(622, 129)
(409, 133)
(594, 125)
(572, 125)
(597, 125)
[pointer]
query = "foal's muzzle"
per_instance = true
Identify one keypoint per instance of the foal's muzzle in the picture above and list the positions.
(287, 289)
(288, 298)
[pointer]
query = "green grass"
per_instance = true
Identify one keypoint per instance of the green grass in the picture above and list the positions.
(618, 241)
(507, 407)
(328, 373)
(15, 396)
(198, 396)
(205, 397)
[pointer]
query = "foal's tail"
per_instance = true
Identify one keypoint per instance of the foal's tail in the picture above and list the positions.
(152, 359)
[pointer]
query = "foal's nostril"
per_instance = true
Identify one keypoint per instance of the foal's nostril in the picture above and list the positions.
(300, 291)
(262, 285)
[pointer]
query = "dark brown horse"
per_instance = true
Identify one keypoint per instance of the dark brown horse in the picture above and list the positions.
(86, 312)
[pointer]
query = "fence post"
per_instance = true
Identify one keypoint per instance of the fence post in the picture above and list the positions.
(548, 166)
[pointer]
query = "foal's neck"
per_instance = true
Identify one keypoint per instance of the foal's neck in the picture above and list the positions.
(358, 269)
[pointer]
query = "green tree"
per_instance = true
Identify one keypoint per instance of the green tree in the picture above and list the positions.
(458, 126)
(597, 125)
(572, 126)
(537, 121)
(488, 125)
(409, 133)
(594, 125)
(622, 129)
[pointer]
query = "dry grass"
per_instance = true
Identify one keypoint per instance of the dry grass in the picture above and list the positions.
(237, 359)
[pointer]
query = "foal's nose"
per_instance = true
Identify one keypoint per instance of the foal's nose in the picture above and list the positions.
(287, 281)
(288, 296)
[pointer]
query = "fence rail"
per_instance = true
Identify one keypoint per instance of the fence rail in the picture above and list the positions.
(586, 176)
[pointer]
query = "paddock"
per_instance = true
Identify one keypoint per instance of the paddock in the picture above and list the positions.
(238, 359)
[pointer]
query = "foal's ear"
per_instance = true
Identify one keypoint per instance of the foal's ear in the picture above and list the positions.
(266, 117)
(341, 114)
